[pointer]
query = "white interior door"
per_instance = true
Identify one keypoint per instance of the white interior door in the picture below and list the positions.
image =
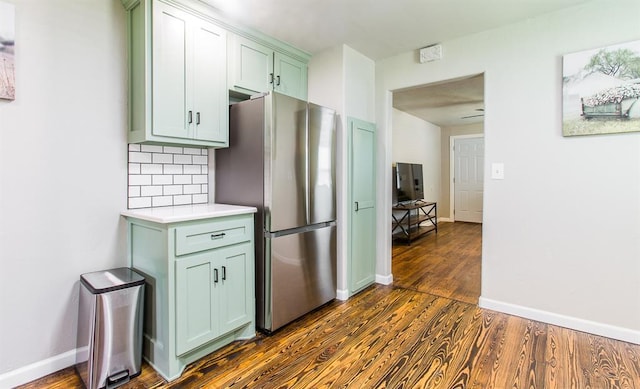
(468, 179)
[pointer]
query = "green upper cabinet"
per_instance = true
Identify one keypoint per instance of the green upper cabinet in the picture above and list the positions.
(250, 65)
(255, 68)
(178, 82)
(291, 76)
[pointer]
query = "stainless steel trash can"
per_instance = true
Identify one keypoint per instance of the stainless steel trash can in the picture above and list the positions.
(109, 342)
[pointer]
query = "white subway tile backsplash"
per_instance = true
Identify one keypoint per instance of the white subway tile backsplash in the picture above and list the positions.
(182, 200)
(199, 179)
(191, 169)
(162, 201)
(139, 179)
(192, 189)
(182, 159)
(182, 179)
(151, 148)
(200, 198)
(162, 158)
(134, 191)
(151, 190)
(134, 168)
(139, 202)
(191, 151)
(151, 168)
(135, 156)
(170, 190)
(172, 150)
(200, 160)
(162, 176)
(174, 169)
(162, 179)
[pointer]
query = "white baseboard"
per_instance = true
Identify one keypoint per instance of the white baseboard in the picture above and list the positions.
(445, 219)
(37, 370)
(609, 331)
(384, 280)
(342, 294)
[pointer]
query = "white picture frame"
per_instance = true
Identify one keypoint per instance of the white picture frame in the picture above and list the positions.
(7, 51)
(601, 90)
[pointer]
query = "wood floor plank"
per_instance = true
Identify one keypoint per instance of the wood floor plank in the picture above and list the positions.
(446, 264)
(406, 336)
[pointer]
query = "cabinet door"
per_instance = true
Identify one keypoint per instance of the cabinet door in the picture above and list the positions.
(236, 276)
(197, 321)
(209, 82)
(251, 67)
(290, 76)
(170, 82)
(362, 228)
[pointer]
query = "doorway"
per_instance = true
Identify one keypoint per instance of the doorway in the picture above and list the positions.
(448, 263)
(467, 177)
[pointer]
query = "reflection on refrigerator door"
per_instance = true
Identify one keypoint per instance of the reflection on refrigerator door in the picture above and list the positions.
(285, 197)
(302, 274)
(322, 169)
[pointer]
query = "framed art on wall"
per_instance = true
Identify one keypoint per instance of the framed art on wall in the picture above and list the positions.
(7, 51)
(601, 90)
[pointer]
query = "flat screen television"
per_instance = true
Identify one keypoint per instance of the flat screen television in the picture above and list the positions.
(408, 182)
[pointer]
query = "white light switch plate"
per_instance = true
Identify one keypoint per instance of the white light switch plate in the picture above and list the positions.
(497, 171)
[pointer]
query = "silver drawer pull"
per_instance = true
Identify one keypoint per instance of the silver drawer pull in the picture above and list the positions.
(217, 236)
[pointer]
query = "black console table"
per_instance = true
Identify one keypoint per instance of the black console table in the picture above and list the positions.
(407, 220)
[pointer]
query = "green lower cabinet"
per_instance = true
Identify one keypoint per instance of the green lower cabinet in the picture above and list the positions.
(211, 295)
(200, 287)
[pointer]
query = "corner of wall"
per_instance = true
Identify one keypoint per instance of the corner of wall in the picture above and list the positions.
(384, 279)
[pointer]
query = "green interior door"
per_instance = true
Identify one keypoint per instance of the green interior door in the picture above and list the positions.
(362, 226)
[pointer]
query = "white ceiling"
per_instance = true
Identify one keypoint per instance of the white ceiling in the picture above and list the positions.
(452, 103)
(383, 28)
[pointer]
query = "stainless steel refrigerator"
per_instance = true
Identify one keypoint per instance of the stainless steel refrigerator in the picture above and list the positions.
(281, 160)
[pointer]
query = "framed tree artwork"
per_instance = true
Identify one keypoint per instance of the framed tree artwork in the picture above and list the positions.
(601, 90)
(7, 51)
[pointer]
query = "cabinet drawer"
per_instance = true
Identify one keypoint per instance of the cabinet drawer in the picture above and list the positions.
(214, 234)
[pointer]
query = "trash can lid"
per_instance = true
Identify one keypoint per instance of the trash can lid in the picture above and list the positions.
(110, 280)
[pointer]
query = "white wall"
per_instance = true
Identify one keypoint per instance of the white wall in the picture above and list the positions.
(561, 233)
(63, 176)
(343, 79)
(418, 141)
(359, 90)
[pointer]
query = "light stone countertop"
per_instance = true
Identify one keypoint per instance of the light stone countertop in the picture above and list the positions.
(181, 213)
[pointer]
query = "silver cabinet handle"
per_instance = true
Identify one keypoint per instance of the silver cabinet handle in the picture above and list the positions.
(190, 116)
(278, 80)
(224, 273)
(218, 236)
(197, 117)
(215, 276)
(270, 78)
(357, 206)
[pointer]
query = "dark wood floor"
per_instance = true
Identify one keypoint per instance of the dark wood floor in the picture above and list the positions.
(446, 264)
(402, 337)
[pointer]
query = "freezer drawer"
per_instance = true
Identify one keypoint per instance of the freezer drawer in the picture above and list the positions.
(302, 275)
